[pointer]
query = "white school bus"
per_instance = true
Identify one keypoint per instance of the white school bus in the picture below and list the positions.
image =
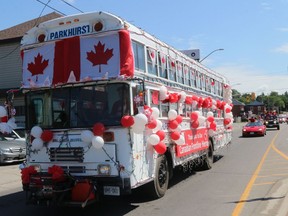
(110, 108)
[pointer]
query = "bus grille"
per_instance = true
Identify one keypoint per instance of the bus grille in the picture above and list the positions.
(74, 169)
(66, 154)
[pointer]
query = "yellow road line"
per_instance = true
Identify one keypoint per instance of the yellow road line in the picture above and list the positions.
(263, 183)
(279, 152)
(277, 174)
(248, 188)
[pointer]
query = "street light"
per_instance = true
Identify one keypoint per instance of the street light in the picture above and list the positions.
(211, 53)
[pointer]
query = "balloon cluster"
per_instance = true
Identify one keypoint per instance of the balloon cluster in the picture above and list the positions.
(175, 128)
(147, 120)
(6, 125)
(228, 116)
(94, 137)
(197, 119)
(40, 137)
(211, 124)
(195, 101)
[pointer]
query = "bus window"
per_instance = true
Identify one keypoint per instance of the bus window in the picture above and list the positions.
(139, 56)
(152, 61)
(162, 65)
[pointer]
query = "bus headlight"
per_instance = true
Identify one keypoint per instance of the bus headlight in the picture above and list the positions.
(104, 169)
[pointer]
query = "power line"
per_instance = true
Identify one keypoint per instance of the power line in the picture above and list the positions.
(72, 6)
(46, 5)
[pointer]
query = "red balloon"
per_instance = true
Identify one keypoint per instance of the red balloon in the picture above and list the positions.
(161, 134)
(173, 124)
(213, 126)
(195, 98)
(4, 119)
(160, 148)
(98, 129)
(47, 136)
(210, 119)
(175, 135)
(127, 121)
(179, 119)
(152, 124)
(227, 110)
(227, 121)
(194, 116)
(195, 124)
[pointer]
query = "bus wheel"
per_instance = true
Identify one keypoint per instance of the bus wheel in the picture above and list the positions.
(161, 179)
(208, 158)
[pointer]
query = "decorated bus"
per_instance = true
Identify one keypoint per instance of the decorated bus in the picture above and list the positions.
(110, 108)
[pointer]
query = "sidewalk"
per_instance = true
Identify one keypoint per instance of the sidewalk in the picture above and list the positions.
(10, 181)
(275, 203)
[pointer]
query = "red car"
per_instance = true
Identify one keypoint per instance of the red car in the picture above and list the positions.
(256, 128)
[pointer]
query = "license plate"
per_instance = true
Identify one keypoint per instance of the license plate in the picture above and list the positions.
(111, 190)
(251, 132)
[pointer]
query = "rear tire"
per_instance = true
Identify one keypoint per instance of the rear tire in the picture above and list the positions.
(208, 158)
(159, 186)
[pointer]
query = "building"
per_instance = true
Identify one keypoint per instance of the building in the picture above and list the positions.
(255, 107)
(11, 64)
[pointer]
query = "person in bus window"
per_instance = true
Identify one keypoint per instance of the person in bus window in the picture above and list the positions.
(121, 106)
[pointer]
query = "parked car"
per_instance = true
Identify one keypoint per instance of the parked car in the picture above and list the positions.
(282, 118)
(12, 150)
(255, 128)
(272, 122)
(17, 134)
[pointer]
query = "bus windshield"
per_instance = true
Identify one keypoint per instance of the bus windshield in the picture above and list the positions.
(77, 107)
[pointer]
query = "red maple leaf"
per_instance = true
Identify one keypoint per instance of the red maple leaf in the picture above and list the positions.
(99, 56)
(38, 66)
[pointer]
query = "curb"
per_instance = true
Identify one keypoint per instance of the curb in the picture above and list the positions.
(275, 201)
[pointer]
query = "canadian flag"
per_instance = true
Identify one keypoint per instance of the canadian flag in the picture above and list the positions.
(75, 59)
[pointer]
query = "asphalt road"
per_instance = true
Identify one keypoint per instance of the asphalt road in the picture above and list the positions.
(237, 184)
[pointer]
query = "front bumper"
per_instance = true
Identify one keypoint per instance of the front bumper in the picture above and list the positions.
(12, 157)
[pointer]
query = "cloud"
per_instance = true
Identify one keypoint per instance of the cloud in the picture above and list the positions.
(253, 80)
(266, 6)
(283, 48)
(283, 29)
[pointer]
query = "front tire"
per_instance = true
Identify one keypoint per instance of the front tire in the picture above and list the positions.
(161, 180)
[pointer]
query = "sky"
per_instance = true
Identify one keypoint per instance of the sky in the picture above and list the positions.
(252, 33)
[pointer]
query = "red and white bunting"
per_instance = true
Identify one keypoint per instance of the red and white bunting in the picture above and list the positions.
(152, 54)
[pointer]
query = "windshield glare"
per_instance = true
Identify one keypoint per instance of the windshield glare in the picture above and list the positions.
(78, 106)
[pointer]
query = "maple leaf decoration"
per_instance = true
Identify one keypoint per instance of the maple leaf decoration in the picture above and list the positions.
(99, 56)
(38, 66)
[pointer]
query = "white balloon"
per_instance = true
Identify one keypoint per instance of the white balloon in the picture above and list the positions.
(194, 104)
(3, 111)
(158, 126)
(11, 123)
(172, 114)
(162, 93)
(97, 142)
(153, 139)
(183, 97)
(4, 128)
(37, 144)
(140, 119)
(201, 120)
(155, 112)
(36, 131)
(138, 129)
(228, 115)
(210, 114)
(87, 136)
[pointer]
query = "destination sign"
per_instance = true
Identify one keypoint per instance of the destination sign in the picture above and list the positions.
(63, 33)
